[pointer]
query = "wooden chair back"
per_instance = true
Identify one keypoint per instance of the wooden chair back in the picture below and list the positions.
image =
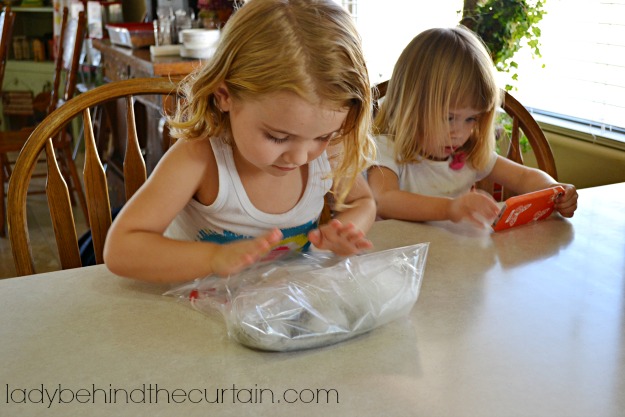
(7, 19)
(66, 66)
(67, 58)
(377, 92)
(522, 122)
(96, 187)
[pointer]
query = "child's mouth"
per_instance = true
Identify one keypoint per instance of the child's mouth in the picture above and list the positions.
(285, 169)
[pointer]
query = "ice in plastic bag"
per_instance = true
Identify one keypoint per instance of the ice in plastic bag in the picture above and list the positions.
(307, 300)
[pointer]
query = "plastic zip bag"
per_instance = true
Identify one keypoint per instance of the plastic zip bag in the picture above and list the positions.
(307, 300)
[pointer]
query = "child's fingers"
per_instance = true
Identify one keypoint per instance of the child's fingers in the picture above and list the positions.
(355, 236)
(262, 244)
(231, 262)
(236, 256)
(315, 237)
(478, 221)
(341, 239)
(567, 208)
(478, 208)
(486, 194)
(364, 244)
(339, 234)
(349, 232)
(273, 236)
(352, 248)
(567, 204)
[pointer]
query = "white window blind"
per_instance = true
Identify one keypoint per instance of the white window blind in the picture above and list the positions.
(583, 52)
(352, 7)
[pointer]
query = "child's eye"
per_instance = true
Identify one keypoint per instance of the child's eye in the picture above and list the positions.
(275, 139)
(328, 137)
(472, 119)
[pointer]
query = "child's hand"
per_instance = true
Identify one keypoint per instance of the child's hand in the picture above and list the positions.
(343, 240)
(566, 204)
(233, 257)
(477, 207)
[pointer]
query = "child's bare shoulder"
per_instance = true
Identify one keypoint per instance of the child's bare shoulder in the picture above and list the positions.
(199, 150)
(191, 158)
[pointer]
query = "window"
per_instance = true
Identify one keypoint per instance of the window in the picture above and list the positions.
(583, 79)
(387, 27)
(352, 7)
(582, 83)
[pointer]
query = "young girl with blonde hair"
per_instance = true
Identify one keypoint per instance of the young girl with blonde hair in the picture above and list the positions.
(436, 135)
(279, 116)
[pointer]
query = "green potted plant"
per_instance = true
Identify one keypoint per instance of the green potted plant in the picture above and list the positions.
(502, 25)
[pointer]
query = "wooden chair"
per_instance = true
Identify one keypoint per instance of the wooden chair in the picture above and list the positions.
(522, 122)
(66, 67)
(377, 92)
(522, 119)
(7, 19)
(96, 187)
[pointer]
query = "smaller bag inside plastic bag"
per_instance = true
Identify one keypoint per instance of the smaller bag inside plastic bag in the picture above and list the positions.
(306, 300)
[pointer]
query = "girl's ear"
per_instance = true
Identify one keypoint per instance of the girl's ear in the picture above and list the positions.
(223, 98)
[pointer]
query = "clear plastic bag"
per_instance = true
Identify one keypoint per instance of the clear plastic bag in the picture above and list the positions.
(306, 300)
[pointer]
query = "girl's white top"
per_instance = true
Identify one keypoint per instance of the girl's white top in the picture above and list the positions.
(232, 215)
(432, 178)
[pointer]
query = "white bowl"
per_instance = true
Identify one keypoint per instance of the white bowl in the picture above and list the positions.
(197, 38)
(197, 53)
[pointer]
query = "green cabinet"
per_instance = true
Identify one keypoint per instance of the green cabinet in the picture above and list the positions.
(29, 67)
(28, 75)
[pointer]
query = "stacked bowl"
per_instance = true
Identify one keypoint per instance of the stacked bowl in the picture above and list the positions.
(199, 43)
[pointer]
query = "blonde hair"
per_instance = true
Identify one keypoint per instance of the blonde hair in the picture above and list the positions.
(308, 47)
(440, 69)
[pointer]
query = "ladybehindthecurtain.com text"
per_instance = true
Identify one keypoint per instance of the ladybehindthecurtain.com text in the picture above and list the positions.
(155, 394)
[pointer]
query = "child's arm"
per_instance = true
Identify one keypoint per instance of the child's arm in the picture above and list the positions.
(345, 233)
(521, 179)
(135, 246)
(394, 203)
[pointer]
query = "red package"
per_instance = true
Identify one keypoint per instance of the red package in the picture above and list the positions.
(527, 208)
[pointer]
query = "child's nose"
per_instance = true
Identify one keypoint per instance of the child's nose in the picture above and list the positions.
(298, 155)
(459, 131)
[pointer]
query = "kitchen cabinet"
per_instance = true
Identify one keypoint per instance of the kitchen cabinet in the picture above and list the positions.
(30, 66)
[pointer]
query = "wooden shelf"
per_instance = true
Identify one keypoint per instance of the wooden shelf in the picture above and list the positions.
(29, 64)
(33, 9)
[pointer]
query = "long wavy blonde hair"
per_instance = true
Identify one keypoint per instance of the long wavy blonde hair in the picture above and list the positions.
(440, 69)
(309, 47)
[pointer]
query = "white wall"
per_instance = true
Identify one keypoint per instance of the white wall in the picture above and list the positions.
(388, 26)
(586, 164)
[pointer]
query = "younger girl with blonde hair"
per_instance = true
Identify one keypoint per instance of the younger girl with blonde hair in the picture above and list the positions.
(279, 116)
(436, 135)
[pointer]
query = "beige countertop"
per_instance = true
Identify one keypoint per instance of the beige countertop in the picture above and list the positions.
(527, 322)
